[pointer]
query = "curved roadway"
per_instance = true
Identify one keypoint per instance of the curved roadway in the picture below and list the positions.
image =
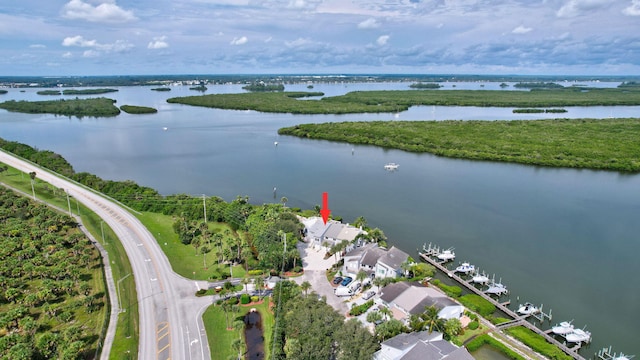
(170, 314)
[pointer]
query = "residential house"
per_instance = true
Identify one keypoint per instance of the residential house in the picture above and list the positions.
(390, 264)
(420, 346)
(406, 299)
(375, 261)
(331, 233)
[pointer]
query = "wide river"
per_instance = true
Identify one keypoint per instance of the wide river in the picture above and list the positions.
(568, 239)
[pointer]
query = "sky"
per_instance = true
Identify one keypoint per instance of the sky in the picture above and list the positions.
(149, 37)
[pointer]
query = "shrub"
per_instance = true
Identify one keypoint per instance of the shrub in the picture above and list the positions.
(361, 309)
(297, 269)
(245, 299)
(233, 300)
(255, 272)
(473, 325)
(255, 298)
(201, 292)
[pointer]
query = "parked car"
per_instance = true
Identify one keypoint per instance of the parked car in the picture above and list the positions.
(368, 295)
(346, 281)
(337, 280)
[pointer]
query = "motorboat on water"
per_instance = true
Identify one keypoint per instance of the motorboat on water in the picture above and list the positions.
(528, 309)
(391, 166)
(578, 335)
(447, 255)
(563, 328)
(480, 278)
(465, 268)
(496, 289)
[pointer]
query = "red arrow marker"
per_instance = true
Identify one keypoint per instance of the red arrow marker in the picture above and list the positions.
(325, 207)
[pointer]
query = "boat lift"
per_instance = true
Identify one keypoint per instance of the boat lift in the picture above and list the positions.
(607, 354)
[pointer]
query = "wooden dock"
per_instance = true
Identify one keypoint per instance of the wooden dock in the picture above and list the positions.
(516, 319)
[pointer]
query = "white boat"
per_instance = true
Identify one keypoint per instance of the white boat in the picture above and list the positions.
(465, 268)
(391, 166)
(563, 328)
(480, 278)
(496, 288)
(447, 255)
(528, 309)
(578, 335)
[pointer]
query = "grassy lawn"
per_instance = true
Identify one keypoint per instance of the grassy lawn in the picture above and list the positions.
(220, 339)
(183, 258)
(126, 339)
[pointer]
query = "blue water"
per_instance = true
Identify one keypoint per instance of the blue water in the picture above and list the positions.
(566, 238)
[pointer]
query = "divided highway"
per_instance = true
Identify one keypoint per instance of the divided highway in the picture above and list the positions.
(170, 314)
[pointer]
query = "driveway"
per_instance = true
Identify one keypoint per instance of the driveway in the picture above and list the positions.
(315, 268)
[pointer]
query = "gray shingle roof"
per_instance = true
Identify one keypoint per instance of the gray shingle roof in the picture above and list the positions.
(394, 258)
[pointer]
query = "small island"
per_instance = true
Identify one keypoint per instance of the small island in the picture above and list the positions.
(2, 91)
(262, 87)
(87, 91)
(97, 107)
(422, 85)
(161, 89)
(603, 144)
(49, 92)
(131, 109)
(538, 111)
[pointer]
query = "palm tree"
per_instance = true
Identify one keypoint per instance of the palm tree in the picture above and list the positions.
(305, 286)
(360, 221)
(284, 201)
(432, 320)
(385, 311)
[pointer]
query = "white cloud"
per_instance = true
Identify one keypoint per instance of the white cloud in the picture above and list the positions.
(382, 40)
(633, 9)
(107, 12)
(67, 55)
(521, 30)
(79, 41)
(90, 53)
(370, 23)
(297, 42)
(158, 43)
(239, 41)
(575, 8)
(37, 46)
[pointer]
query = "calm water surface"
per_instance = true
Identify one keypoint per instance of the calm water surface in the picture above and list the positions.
(566, 238)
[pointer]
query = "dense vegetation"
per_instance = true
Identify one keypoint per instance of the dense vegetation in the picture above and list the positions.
(396, 101)
(52, 302)
(422, 85)
(262, 87)
(164, 88)
(308, 328)
(87, 91)
(131, 109)
(49, 92)
(3, 91)
(45, 158)
(608, 144)
(538, 343)
(97, 107)
(537, 85)
(538, 111)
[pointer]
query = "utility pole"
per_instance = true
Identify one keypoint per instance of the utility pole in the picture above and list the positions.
(68, 202)
(102, 231)
(119, 302)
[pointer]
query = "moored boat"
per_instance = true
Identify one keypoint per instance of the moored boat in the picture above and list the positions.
(578, 335)
(528, 309)
(465, 268)
(563, 328)
(391, 166)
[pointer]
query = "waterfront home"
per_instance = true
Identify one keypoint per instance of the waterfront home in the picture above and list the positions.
(331, 233)
(406, 299)
(375, 261)
(420, 345)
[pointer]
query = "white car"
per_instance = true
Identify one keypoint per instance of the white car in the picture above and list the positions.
(369, 295)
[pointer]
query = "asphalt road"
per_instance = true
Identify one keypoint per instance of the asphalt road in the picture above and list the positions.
(170, 315)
